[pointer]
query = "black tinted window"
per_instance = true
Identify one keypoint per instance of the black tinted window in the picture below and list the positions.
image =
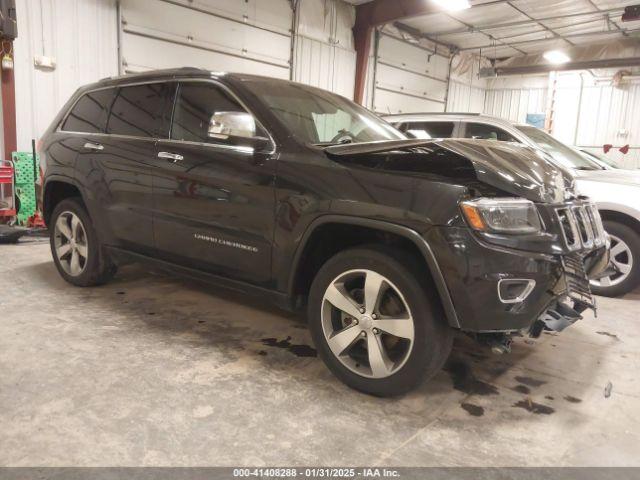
(89, 114)
(139, 110)
(487, 132)
(428, 129)
(195, 106)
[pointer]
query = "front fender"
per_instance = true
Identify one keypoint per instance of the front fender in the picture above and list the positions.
(383, 226)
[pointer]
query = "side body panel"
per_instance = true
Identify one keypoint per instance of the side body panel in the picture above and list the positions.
(116, 182)
(214, 210)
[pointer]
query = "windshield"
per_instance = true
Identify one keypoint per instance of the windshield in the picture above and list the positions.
(563, 154)
(601, 159)
(319, 117)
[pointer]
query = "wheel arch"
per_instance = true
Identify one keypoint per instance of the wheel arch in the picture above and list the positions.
(620, 217)
(55, 190)
(305, 264)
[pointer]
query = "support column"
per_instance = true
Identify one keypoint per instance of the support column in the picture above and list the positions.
(9, 107)
(362, 40)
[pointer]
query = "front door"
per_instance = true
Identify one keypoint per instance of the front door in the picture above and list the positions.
(213, 197)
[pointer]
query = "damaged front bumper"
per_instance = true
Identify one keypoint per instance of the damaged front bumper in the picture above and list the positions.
(498, 290)
(567, 309)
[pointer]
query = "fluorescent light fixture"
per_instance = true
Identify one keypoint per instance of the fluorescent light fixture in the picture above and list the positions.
(453, 5)
(556, 57)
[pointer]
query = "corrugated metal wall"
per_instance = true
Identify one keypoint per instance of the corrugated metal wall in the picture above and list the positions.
(466, 89)
(324, 54)
(251, 36)
(512, 98)
(591, 113)
(515, 103)
(255, 36)
(465, 98)
(81, 35)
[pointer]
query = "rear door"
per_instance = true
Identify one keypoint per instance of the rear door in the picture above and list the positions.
(213, 197)
(117, 165)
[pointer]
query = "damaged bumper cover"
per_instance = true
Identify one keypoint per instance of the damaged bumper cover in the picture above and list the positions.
(476, 271)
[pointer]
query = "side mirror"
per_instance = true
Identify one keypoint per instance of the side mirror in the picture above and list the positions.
(238, 128)
(223, 125)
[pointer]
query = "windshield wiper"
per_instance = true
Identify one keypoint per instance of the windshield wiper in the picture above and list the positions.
(331, 144)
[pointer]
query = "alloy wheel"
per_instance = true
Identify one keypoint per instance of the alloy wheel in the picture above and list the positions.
(71, 244)
(621, 261)
(367, 323)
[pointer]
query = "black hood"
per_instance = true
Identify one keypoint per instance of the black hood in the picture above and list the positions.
(510, 167)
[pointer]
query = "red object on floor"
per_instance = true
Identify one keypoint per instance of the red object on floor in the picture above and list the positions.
(607, 147)
(625, 149)
(6, 190)
(36, 221)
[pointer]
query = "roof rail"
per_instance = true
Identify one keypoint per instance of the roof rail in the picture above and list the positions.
(471, 114)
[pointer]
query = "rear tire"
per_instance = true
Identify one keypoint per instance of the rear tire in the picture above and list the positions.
(76, 248)
(625, 254)
(410, 354)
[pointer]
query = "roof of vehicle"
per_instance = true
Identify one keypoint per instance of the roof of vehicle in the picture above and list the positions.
(440, 116)
(168, 73)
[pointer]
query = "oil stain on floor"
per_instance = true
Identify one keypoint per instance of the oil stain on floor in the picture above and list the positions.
(297, 350)
(473, 410)
(465, 381)
(534, 407)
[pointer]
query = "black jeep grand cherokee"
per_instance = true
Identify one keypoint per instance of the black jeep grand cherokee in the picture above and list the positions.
(304, 197)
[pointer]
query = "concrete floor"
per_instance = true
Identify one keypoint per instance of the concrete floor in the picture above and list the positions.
(150, 370)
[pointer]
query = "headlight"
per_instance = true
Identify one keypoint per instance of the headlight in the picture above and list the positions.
(502, 215)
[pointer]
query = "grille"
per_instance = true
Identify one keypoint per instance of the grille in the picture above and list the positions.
(581, 226)
(577, 282)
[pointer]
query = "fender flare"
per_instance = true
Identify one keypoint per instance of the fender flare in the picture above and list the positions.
(60, 179)
(406, 232)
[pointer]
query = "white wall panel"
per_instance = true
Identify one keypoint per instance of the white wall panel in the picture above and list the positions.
(326, 66)
(328, 21)
(409, 78)
(606, 115)
(213, 34)
(177, 55)
(588, 112)
(392, 102)
(324, 55)
(514, 104)
(399, 53)
(82, 37)
(465, 98)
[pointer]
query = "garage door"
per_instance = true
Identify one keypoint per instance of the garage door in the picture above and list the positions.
(409, 78)
(249, 36)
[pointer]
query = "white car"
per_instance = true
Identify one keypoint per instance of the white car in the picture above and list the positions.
(615, 191)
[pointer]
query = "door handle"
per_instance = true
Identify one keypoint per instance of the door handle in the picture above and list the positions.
(93, 146)
(172, 157)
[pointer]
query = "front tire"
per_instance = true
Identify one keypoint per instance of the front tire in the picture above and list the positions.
(76, 249)
(625, 258)
(375, 321)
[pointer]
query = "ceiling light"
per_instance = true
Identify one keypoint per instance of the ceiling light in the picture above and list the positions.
(556, 57)
(453, 5)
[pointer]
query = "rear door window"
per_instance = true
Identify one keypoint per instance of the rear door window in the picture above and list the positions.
(139, 110)
(484, 131)
(428, 129)
(89, 114)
